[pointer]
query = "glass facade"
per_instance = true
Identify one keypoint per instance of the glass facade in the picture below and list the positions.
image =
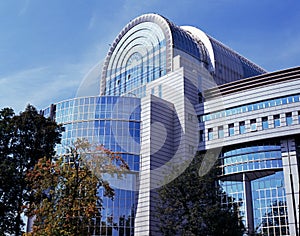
(239, 67)
(115, 123)
(250, 107)
(251, 158)
(261, 166)
(139, 58)
(269, 204)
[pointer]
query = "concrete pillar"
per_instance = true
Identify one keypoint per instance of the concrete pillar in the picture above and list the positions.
(249, 205)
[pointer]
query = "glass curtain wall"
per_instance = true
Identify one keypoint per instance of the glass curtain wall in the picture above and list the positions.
(261, 165)
(115, 123)
(139, 58)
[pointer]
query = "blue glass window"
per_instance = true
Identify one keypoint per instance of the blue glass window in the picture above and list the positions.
(160, 90)
(278, 101)
(265, 124)
(231, 129)
(220, 132)
(242, 127)
(276, 120)
(255, 106)
(284, 100)
(210, 134)
(253, 126)
(289, 118)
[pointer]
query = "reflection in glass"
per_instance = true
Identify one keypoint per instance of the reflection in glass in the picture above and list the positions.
(115, 123)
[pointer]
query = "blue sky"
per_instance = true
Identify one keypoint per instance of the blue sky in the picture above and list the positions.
(48, 49)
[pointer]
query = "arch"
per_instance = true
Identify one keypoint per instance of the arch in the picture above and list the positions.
(148, 35)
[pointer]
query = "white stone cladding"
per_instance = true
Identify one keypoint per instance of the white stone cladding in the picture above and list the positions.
(169, 136)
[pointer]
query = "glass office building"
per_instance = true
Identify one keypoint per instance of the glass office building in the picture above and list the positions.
(167, 91)
(115, 123)
(260, 156)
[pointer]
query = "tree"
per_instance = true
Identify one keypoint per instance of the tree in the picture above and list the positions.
(64, 191)
(191, 205)
(24, 138)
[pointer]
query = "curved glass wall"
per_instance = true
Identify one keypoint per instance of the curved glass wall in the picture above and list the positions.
(269, 205)
(138, 58)
(251, 158)
(144, 50)
(253, 176)
(115, 123)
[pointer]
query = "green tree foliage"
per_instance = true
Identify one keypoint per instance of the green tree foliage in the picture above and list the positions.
(24, 138)
(64, 191)
(191, 205)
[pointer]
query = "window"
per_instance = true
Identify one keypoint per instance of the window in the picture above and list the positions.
(242, 127)
(160, 91)
(289, 118)
(299, 117)
(231, 129)
(265, 124)
(210, 134)
(276, 120)
(201, 135)
(152, 91)
(220, 132)
(253, 126)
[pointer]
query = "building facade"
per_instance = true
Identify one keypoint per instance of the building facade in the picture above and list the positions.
(114, 122)
(258, 130)
(167, 92)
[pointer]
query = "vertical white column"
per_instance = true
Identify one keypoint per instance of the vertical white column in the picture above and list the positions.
(291, 180)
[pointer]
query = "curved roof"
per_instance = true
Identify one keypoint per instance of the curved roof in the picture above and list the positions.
(143, 33)
(183, 41)
(131, 40)
(175, 37)
(221, 53)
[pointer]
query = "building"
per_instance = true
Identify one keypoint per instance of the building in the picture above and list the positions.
(258, 130)
(168, 91)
